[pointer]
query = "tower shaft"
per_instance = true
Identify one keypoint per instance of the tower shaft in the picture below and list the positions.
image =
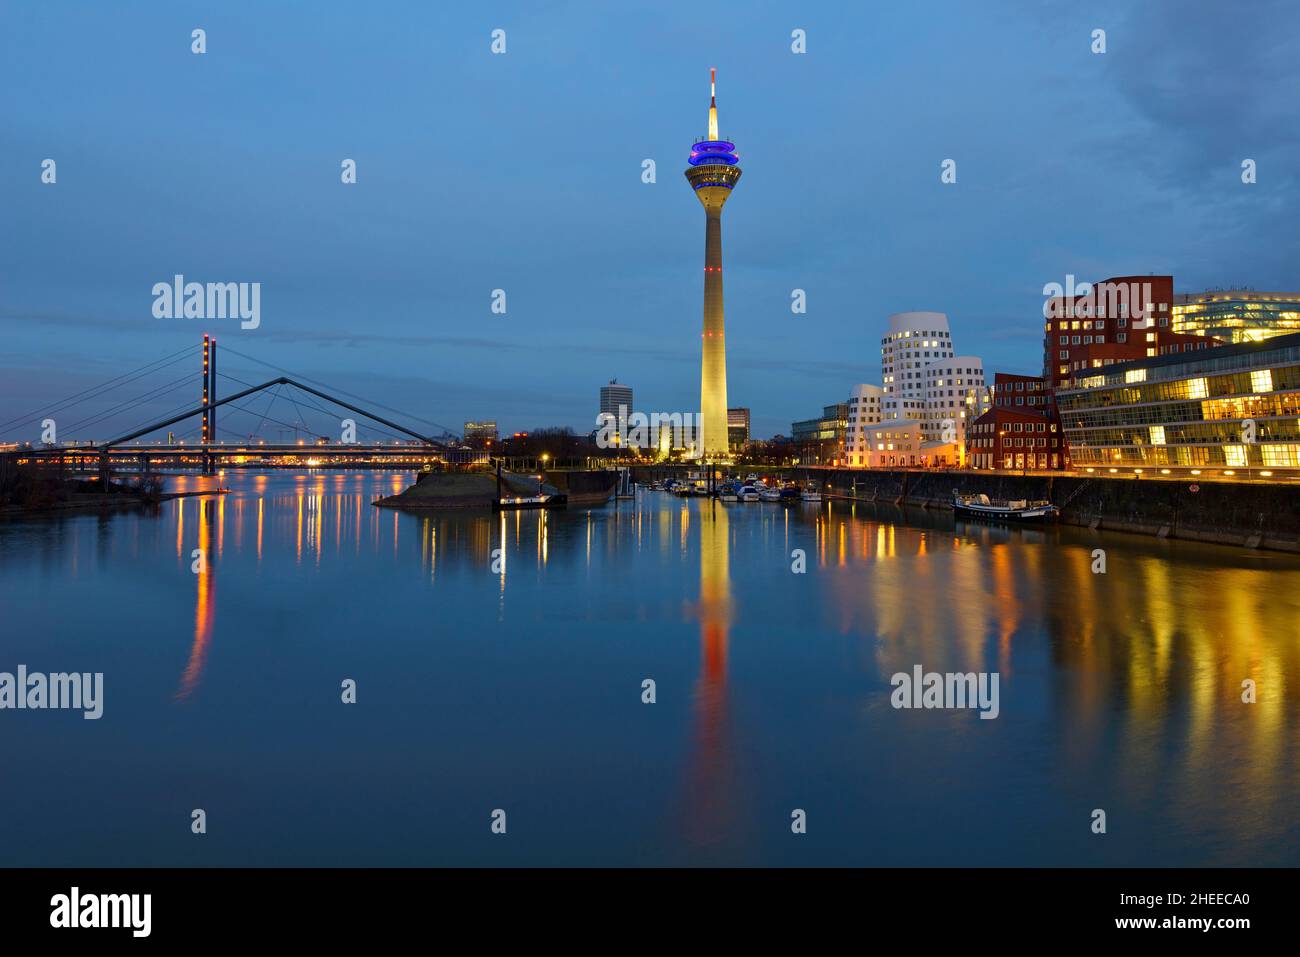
(713, 365)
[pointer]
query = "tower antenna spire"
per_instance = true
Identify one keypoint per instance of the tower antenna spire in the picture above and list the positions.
(713, 103)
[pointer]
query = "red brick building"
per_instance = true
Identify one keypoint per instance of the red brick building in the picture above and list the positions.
(1021, 430)
(1117, 320)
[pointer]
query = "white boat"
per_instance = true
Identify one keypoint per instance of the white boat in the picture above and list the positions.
(769, 495)
(1011, 510)
(810, 494)
(519, 502)
(748, 493)
(728, 495)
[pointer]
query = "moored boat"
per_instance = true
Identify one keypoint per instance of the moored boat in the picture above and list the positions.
(1010, 510)
(810, 493)
(748, 493)
(514, 502)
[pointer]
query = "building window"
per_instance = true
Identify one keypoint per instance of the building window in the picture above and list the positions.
(1235, 456)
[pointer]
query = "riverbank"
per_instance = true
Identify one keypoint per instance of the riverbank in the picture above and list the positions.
(98, 501)
(1249, 515)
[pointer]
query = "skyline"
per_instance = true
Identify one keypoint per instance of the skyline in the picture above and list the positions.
(1093, 165)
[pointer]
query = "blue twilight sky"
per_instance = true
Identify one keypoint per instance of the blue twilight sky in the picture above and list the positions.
(522, 172)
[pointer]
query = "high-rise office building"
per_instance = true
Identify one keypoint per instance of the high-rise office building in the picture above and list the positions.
(615, 401)
(713, 173)
(1237, 315)
(737, 428)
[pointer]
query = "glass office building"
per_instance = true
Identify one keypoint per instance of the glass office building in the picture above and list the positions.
(1215, 411)
(1237, 315)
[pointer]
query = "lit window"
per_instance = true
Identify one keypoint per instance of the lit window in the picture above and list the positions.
(1261, 380)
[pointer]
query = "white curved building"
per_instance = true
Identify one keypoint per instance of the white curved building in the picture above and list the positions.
(915, 340)
(923, 380)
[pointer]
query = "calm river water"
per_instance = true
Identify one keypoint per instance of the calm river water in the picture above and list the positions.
(518, 686)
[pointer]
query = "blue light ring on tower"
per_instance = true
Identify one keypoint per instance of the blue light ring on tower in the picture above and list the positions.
(714, 151)
(713, 159)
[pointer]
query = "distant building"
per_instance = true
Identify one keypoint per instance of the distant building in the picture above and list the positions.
(1216, 411)
(615, 406)
(737, 428)
(481, 435)
(676, 439)
(821, 441)
(1237, 315)
(613, 396)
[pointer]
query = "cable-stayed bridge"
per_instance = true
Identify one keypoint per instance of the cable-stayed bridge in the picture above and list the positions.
(288, 419)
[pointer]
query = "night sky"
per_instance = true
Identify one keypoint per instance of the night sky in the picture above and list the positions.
(523, 172)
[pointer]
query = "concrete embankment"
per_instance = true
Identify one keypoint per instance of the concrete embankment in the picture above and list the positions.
(479, 489)
(462, 490)
(1254, 515)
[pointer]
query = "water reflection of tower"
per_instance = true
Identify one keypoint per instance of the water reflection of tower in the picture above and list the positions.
(205, 599)
(710, 807)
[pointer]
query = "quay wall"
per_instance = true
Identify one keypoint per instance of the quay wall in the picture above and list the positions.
(1253, 515)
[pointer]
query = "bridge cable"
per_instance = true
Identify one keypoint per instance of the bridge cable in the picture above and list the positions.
(156, 393)
(350, 395)
(310, 403)
(314, 405)
(106, 386)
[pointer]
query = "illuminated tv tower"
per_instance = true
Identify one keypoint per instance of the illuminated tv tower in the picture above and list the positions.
(712, 173)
